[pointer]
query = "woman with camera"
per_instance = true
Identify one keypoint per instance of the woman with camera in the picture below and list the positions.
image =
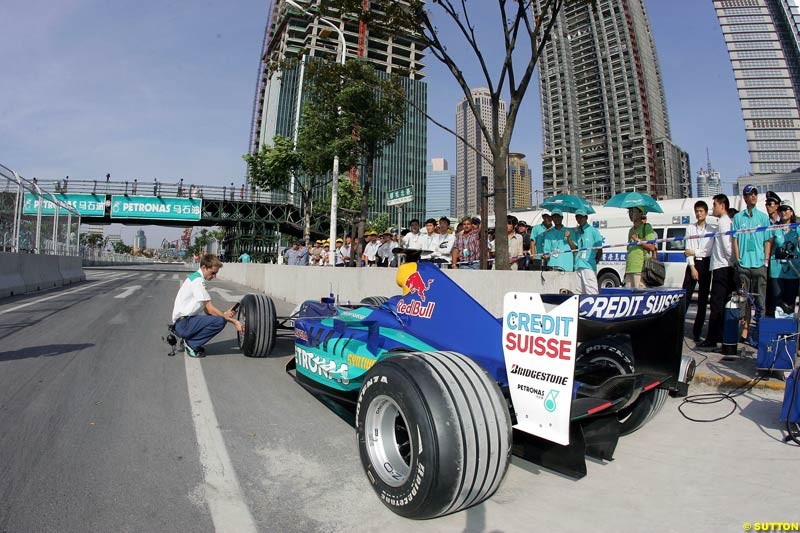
(784, 265)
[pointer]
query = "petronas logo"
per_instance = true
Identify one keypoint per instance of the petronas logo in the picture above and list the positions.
(550, 401)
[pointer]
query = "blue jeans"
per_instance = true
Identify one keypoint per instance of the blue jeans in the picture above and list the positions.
(198, 330)
(473, 265)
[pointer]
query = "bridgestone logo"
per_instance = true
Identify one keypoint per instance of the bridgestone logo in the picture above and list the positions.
(542, 376)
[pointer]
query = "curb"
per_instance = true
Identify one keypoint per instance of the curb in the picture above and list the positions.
(729, 382)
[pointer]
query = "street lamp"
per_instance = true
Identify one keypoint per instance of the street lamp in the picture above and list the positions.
(335, 183)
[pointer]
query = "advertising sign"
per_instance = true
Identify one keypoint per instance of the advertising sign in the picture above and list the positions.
(88, 205)
(539, 348)
(156, 208)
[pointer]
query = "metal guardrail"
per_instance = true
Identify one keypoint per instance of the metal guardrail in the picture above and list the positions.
(42, 233)
(178, 189)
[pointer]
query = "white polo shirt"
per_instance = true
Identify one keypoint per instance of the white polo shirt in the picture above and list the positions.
(191, 297)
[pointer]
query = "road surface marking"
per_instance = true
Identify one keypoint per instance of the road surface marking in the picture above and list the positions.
(226, 295)
(229, 512)
(161, 276)
(176, 276)
(60, 294)
(127, 291)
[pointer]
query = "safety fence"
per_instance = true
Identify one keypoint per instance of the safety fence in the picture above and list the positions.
(33, 220)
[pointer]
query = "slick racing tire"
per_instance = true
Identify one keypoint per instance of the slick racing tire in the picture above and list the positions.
(611, 357)
(257, 315)
(375, 301)
(434, 433)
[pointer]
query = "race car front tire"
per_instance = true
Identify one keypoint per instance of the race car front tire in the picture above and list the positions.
(257, 315)
(375, 301)
(434, 433)
(613, 356)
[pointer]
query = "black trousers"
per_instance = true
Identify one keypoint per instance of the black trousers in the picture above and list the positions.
(722, 283)
(704, 282)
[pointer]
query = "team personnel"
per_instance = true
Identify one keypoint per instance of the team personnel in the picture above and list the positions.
(196, 319)
(722, 274)
(698, 265)
(555, 247)
(784, 263)
(637, 252)
(537, 234)
(772, 205)
(585, 236)
(751, 252)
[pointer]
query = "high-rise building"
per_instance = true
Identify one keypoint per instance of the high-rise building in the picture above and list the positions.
(709, 182)
(470, 164)
(763, 39)
(604, 114)
(438, 189)
(520, 181)
(140, 240)
(292, 34)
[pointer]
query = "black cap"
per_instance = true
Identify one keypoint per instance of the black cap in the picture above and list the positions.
(772, 196)
(476, 220)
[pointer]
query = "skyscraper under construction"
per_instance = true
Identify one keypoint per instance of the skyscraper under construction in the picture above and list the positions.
(604, 114)
(301, 34)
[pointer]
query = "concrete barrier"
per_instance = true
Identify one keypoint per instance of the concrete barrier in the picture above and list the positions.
(297, 283)
(71, 269)
(21, 273)
(11, 282)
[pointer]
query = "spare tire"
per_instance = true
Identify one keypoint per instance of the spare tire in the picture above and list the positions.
(257, 315)
(434, 433)
(374, 301)
(612, 356)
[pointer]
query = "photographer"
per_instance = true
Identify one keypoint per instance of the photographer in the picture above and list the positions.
(784, 263)
(196, 319)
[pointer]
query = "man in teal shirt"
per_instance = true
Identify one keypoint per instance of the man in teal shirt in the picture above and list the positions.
(751, 251)
(556, 248)
(537, 234)
(244, 258)
(582, 237)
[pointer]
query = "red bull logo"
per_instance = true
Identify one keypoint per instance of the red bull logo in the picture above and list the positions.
(415, 284)
(416, 308)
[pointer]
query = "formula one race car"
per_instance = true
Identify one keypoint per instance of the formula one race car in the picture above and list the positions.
(444, 392)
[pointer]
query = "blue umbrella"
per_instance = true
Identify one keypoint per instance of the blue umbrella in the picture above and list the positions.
(626, 200)
(568, 203)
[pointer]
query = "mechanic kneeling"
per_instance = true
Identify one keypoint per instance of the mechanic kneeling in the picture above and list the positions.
(196, 319)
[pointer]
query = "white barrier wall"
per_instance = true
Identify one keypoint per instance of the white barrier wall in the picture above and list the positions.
(21, 273)
(296, 284)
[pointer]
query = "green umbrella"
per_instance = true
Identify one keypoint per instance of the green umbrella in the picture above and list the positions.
(626, 200)
(569, 203)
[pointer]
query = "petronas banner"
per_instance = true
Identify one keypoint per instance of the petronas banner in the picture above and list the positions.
(153, 207)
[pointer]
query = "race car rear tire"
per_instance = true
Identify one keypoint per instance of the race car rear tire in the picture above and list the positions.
(613, 355)
(434, 433)
(375, 301)
(257, 315)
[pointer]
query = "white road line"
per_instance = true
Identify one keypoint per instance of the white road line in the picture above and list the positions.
(176, 276)
(146, 276)
(161, 276)
(229, 512)
(60, 294)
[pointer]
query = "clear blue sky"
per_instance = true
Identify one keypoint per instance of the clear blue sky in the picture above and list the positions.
(165, 89)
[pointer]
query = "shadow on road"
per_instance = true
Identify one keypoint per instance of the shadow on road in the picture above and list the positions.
(765, 413)
(46, 350)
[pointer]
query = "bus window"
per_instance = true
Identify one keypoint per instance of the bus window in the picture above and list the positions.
(676, 246)
(659, 235)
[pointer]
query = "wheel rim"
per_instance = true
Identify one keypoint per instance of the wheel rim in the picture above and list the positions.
(242, 317)
(387, 441)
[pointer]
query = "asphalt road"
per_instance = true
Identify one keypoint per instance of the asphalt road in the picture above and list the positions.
(100, 430)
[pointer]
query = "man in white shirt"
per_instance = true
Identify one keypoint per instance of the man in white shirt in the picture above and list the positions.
(413, 239)
(721, 271)
(430, 240)
(196, 319)
(371, 249)
(698, 262)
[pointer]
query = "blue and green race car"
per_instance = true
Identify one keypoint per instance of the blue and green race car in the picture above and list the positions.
(440, 405)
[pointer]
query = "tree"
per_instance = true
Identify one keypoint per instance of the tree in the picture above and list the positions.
(380, 223)
(349, 201)
(121, 248)
(525, 26)
(367, 109)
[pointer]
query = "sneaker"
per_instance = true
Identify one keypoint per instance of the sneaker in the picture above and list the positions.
(189, 351)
